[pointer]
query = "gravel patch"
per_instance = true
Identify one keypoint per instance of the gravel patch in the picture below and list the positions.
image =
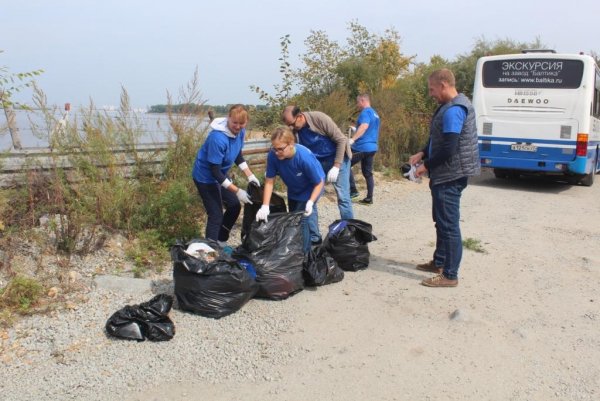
(67, 354)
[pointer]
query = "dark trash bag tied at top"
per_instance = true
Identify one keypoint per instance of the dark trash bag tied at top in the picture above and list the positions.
(211, 284)
(275, 249)
(347, 242)
(320, 268)
(276, 205)
(148, 320)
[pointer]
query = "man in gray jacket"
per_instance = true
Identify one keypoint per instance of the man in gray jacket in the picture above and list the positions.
(450, 157)
(319, 133)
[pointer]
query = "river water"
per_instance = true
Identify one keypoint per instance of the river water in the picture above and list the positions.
(155, 126)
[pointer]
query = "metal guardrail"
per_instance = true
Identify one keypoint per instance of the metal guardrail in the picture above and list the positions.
(15, 164)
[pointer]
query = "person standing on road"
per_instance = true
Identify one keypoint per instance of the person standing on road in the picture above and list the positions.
(364, 146)
(216, 156)
(450, 157)
(304, 177)
(321, 135)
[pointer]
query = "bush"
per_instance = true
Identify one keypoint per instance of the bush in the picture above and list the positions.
(21, 293)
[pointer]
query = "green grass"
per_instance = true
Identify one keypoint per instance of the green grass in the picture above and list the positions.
(474, 245)
(471, 244)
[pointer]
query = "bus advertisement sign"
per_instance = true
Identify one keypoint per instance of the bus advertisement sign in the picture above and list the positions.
(532, 73)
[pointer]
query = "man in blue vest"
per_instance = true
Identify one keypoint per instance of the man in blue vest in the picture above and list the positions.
(450, 157)
(363, 142)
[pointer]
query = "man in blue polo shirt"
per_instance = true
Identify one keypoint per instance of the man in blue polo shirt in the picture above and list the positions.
(319, 133)
(364, 145)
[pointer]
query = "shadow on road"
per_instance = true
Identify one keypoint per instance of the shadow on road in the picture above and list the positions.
(542, 184)
(397, 268)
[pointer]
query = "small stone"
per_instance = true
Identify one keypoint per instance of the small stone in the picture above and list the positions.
(458, 316)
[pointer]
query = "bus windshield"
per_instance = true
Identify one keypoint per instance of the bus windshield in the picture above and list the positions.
(533, 73)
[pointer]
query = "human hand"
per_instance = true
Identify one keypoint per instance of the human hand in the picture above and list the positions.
(252, 178)
(243, 196)
(308, 208)
(262, 213)
(332, 175)
(351, 141)
(415, 159)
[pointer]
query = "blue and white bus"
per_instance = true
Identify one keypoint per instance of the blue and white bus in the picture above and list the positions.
(539, 113)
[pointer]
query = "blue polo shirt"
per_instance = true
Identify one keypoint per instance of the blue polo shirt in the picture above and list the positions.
(218, 148)
(368, 141)
(300, 173)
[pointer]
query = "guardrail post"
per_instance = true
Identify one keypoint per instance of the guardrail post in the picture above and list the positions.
(12, 123)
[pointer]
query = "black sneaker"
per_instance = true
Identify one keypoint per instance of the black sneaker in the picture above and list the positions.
(366, 201)
(354, 195)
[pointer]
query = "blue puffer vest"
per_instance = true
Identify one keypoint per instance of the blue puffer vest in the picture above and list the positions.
(465, 162)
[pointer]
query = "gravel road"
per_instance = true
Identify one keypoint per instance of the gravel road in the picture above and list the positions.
(522, 324)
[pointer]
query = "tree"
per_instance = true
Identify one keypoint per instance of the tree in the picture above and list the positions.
(269, 116)
(464, 65)
(11, 83)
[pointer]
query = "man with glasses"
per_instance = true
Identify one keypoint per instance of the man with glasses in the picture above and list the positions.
(319, 133)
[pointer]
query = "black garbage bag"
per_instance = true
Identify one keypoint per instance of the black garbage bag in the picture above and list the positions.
(275, 249)
(320, 268)
(347, 242)
(148, 320)
(276, 205)
(212, 285)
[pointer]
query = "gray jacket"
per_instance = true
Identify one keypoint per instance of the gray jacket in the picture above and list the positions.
(465, 162)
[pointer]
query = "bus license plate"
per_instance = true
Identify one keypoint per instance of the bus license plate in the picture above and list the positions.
(523, 147)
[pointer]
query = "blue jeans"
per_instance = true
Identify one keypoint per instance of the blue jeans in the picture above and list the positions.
(366, 166)
(341, 186)
(218, 224)
(310, 224)
(446, 215)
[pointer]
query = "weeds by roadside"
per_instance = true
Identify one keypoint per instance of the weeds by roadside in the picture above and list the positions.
(109, 186)
(474, 245)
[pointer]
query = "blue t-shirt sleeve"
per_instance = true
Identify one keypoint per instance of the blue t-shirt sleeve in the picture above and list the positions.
(272, 162)
(454, 119)
(215, 149)
(363, 118)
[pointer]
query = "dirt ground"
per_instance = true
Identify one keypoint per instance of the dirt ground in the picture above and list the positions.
(523, 323)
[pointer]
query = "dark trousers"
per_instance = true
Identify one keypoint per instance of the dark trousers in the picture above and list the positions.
(366, 166)
(214, 197)
(446, 215)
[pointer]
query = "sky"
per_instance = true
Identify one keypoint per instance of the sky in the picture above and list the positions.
(89, 50)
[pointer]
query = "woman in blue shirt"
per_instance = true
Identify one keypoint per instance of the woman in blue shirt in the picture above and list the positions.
(222, 148)
(304, 177)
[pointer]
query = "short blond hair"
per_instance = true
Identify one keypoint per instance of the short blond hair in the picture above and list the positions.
(283, 134)
(239, 112)
(443, 75)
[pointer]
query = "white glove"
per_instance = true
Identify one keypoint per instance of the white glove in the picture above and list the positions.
(411, 174)
(243, 196)
(351, 130)
(252, 178)
(332, 175)
(351, 141)
(262, 213)
(308, 208)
